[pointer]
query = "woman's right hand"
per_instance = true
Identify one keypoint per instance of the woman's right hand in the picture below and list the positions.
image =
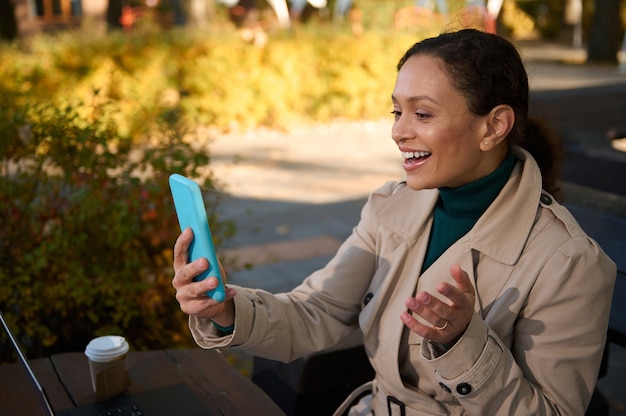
(192, 295)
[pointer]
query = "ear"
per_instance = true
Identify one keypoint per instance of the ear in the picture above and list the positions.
(499, 123)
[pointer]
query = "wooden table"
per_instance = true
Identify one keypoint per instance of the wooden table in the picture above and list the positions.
(66, 380)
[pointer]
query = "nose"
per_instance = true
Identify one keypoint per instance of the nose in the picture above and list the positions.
(401, 130)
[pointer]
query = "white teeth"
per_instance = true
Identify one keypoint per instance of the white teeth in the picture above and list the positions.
(410, 155)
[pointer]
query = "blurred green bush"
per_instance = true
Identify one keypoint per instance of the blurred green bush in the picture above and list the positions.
(88, 225)
(91, 127)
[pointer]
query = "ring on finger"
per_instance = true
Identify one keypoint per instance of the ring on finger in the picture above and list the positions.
(442, 327)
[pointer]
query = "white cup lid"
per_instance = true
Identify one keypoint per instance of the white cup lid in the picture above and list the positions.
(107, 348)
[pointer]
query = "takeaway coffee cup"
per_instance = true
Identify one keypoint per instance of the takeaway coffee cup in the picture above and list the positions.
(107, 364)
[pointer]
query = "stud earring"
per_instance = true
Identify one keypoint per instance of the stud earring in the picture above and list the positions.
(486, 143)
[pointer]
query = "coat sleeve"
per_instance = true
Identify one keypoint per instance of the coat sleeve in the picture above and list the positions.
(318, 314)
(558, 342)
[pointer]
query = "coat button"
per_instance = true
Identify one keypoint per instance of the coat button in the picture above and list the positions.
(464, 389)
(546, 199)
(367, 298)
(445, 388)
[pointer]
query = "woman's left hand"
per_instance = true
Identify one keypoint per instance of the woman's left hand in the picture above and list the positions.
(448, 320)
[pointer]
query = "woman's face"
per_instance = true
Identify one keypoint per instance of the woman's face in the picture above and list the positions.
(441, 141)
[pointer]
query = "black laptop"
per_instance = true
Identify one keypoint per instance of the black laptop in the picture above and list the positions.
(175, 400)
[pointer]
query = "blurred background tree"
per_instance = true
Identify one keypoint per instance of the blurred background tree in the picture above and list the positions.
(8, 22)
(606, 32)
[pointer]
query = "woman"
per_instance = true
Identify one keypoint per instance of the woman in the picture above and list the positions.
(476, 292)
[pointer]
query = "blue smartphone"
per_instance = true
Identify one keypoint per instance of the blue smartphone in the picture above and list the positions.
(191, 212)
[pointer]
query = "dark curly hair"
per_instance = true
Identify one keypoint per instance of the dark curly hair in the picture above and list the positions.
(488, 71)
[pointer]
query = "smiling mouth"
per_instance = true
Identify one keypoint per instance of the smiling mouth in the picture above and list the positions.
(415, 156)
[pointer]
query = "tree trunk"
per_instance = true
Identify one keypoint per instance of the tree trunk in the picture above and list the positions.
(606, 32)
(114, 12)
(8, 23)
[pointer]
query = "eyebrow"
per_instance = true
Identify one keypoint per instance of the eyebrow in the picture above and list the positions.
(417, 98)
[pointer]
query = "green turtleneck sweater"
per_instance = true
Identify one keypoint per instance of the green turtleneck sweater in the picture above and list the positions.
(458, 209)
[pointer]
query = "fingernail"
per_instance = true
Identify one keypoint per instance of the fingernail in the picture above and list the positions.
(423, 298)
(200, 264)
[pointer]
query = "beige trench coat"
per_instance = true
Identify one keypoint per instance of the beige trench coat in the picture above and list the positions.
(534, 345)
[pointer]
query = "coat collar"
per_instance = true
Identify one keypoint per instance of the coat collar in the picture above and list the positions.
(512, 213)
(408, 213)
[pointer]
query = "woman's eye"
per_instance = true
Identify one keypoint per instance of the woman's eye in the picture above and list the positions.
(422, 115)
(396, 114)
